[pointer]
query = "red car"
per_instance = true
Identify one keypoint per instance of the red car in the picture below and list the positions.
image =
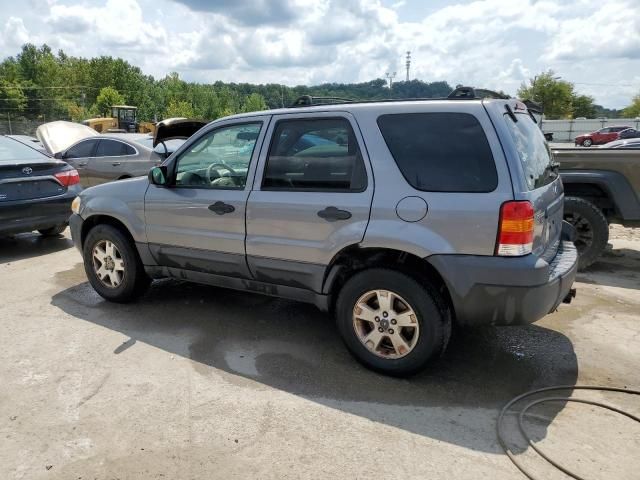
(604, 135)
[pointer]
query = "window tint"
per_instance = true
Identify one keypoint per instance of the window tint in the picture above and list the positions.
(81, 150)
(440, 152)
(220, 159)
(314, 155)
(113, 148)
(533, 151)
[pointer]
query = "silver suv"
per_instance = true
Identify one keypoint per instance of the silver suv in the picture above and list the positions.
(399, 217)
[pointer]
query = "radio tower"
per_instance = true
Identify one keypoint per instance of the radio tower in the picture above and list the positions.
(408, 63)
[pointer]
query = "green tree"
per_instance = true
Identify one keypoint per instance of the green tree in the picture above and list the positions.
(554, 94)
(107, 97)
(12, 97)
(179, 108)
(254, 103)
(633, 110)
(583, 106)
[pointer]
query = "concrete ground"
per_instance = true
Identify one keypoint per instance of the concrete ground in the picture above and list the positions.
(194, 382)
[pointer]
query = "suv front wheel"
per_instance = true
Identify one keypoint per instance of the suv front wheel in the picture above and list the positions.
(390, 322)
(112, 265)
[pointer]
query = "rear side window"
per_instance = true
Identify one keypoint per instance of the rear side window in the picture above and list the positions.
(314, 155)
(440, 152)
(533, 151)
(112, 148)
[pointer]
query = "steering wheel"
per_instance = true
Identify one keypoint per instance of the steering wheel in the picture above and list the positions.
(213, 166)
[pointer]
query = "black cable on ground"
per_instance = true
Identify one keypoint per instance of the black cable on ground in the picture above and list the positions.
(522, 414)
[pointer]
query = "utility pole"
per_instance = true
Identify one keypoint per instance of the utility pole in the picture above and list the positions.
(408, 63)
(390, 77)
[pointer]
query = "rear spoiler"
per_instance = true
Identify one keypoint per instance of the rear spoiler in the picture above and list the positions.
(176, 128)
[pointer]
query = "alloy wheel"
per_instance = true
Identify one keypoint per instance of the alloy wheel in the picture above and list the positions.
(385, 324)
(108, 264)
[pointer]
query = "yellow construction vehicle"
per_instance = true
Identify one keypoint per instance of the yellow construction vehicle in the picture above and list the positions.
(123, 119)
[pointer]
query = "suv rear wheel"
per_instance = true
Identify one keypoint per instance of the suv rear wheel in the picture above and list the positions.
(390, 322)
(113, 266)
(592, 229)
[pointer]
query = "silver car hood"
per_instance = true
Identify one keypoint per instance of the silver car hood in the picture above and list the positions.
(60, 135)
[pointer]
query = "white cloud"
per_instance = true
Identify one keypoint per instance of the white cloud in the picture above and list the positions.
(612, 31)
(14, 33)
(487, 43)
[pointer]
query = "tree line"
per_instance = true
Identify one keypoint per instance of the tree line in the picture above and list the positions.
(43, 85)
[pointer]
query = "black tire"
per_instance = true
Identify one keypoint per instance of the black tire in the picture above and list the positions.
(432, 314)
(591, 226)
(134, 281)
(587, 142)
(53, 231)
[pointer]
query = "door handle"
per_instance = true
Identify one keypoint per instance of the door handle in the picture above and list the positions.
(332, 214)
(221, 208)
(115, 164)
(83, 164)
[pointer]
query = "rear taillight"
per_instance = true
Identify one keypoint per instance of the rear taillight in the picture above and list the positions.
(515, 231)
(68, 177)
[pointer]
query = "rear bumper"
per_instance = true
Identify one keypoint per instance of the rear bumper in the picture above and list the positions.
(36, 214)
(507, 291)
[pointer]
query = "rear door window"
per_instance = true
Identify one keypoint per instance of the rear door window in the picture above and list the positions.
(440, 152)
(315, 155)
(111, 148)
(533, 151)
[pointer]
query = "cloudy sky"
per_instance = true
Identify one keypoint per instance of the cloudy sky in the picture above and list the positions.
(486, 43)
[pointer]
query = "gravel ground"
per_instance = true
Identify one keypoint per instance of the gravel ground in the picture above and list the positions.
(194, 382)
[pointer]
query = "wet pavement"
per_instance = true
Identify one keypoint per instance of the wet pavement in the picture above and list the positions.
(201, 382)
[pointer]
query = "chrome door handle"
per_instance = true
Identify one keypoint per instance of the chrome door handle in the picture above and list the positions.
(115, 164)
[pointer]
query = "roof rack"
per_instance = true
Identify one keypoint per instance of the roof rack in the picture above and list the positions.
(308, 100)
(470, 93)
(459, 93)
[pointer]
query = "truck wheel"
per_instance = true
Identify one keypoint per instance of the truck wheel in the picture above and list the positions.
(392, 323)
(53, 231)
(591, 226)
(587, 142)
(113, 266)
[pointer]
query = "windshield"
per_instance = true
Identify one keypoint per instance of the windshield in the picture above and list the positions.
(13, 150)
(533, 150)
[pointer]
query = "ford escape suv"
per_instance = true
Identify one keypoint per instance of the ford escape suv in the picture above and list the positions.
(399, 217)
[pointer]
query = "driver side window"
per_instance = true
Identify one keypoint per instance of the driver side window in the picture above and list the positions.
(220, 159)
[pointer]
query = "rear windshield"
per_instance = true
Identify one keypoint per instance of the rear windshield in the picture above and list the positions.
(440, 152)
(13, 150)
(533, 150)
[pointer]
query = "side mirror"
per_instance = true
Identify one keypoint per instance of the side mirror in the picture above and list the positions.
(158, 176)
(59, 155)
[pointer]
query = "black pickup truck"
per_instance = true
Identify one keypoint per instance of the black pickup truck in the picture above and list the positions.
(601, 186)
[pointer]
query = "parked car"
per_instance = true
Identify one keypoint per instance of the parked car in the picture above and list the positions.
(627, 143)
(628, 133)
(604, 135)
(405, 218)
(602, 186)
(103, 158)
(36, 191)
